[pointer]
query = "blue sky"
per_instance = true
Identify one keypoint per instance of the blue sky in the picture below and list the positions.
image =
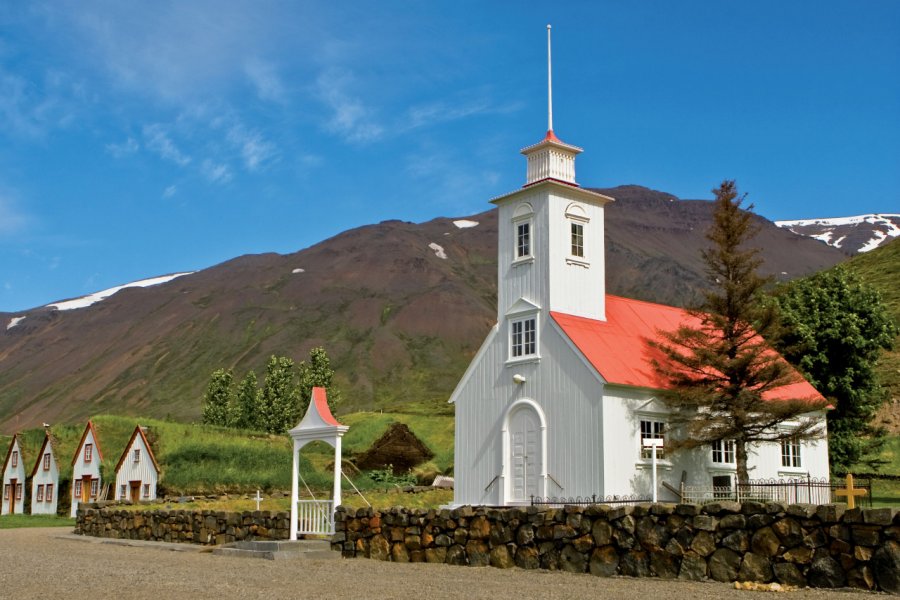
(138, 139)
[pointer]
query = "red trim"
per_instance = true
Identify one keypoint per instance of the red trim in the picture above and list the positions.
(9, 453)
(88, 427)
(138, 431)
(568, 183)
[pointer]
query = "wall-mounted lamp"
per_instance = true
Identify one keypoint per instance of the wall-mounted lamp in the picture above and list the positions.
(520, 379)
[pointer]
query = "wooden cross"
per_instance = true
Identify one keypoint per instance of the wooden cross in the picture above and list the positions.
(850, 491)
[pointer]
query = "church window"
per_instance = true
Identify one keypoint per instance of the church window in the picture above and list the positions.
(790, 453)
(523, 239)
(47, 461)
(577, 239)
(523, 337)
(652, 430)
(723, 452)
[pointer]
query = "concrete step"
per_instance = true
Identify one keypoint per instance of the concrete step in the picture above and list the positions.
(279, 550)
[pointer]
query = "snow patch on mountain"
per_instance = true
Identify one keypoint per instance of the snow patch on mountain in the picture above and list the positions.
(438, 250)
(90, 299)
(465, 223)
(13, 322)
(295, 271)
(834, 231)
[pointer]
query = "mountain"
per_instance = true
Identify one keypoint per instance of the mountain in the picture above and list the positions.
(862, 233)
(400, 307)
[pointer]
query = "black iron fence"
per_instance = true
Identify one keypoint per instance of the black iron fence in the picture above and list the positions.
(613, 499)
(802, 490)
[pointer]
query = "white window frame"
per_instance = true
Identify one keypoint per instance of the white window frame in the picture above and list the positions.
(656, 429)
(48, 493)
(19, 487)
(88, 453)
(6, 491)
(137, 455)
(146, 490)
(518, 255)
(123, 492)
(15, 458)
(95, 488)
(576, 239)
(791, 451)
(47, 461)
(77, 488)
(523, 320)
(39, 494)
(577, 217)
(725, 449)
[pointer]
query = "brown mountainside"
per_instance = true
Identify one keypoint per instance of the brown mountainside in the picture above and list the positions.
(400, 322)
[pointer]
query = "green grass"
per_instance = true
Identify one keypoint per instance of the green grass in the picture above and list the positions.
(885, 492)
(19, 521)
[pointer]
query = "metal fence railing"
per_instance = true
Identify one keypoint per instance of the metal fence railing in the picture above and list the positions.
(802, 490)
(613, 499)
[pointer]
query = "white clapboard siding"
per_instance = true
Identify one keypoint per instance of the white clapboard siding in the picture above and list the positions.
(82, 468)
(143, 472)
(13, 491)
(45, 476)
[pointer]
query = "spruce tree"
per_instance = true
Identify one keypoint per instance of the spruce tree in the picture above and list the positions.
(218, 397)
(720, 371)
(835, 329)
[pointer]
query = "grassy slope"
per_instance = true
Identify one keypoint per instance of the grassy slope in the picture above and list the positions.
(881, 269)
(201, 459)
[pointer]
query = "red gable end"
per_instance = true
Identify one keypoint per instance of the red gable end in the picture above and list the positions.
(618, 347)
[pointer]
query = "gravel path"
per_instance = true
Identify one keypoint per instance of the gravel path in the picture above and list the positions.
(35, 564)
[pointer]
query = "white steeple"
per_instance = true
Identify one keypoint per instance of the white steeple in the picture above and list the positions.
(551, 158)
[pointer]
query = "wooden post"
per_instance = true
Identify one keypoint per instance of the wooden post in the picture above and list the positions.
(850, 492)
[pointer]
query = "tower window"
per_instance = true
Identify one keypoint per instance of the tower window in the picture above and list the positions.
(523, 239)
(523, 337)
(577, 239)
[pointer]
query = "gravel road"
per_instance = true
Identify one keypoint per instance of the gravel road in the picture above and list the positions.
(35, 563)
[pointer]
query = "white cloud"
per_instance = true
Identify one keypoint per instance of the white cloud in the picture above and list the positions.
(12, 219)
(265, 79)
(158, 140)
(253, 148)
(169, 191)
(129, 146)
(351, 118)
(216, 172)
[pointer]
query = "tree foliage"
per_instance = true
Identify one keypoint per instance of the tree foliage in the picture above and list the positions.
(281, 402)
(721, 373)
(218, 397)
(836, 327)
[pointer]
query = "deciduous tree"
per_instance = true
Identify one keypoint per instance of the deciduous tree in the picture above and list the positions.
(835, 329)
(218, 397)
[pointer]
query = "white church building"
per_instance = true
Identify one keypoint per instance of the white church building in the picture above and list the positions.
(561, 394)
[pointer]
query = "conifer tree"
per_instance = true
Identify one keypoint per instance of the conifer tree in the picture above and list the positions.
(835, 329)
(218, 397)
(720, 371)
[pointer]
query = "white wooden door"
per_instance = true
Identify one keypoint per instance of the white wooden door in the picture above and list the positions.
(525, 455)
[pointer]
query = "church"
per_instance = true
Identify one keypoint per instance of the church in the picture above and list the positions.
(561, 396)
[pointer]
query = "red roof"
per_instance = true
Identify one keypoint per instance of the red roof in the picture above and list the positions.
(618, 347)
(320, 399)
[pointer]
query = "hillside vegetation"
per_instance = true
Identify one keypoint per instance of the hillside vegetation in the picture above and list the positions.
(204, 459)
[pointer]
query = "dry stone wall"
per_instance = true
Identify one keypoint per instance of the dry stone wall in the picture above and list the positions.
(193, 527)
(797, 545)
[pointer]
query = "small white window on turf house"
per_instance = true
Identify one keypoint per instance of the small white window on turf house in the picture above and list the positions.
(18, 491)
(47, 461)
(95, 487)
(40, 494)
(15, 459)
(723, 452)
(523, 337)
(652, 430)
(88, 452)
(123, 491)
(77, 492)
(146, 490)
(137, 455)
(790, 453)
(48, 497)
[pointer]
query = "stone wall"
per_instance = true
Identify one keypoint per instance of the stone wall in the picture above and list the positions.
(797, 545)
(193, 527)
